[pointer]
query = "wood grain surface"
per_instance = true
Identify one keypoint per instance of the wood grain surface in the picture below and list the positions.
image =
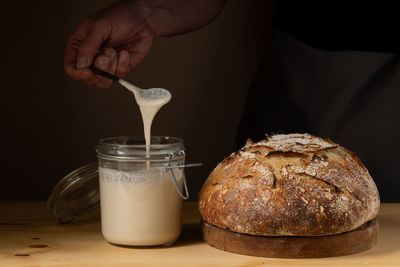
(30, 236)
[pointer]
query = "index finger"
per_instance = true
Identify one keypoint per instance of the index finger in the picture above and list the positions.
(71, 52)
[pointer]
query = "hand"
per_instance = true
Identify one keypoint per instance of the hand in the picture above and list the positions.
(115, 39)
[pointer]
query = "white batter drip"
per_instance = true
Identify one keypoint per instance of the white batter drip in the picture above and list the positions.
(149, 104)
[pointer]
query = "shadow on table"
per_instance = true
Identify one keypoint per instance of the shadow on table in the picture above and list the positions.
(191, 234)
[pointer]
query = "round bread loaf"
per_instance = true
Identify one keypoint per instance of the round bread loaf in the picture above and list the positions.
(289, 185)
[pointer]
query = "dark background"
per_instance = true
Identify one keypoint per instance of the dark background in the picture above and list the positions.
(51, 123)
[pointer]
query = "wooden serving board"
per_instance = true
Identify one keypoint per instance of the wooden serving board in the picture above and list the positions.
(358, 240)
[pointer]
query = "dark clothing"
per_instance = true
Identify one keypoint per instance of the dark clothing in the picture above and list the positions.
(341, 25)
(323, 81)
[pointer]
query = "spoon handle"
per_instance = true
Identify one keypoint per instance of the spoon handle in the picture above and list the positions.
(104, 74)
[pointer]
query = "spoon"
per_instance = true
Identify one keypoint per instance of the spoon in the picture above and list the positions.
(152, 93)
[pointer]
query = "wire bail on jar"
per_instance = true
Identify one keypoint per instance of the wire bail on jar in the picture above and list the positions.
(167, 167)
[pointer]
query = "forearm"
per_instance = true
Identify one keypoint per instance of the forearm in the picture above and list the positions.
(171, 17)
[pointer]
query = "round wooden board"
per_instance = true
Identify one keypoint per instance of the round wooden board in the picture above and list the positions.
(358, 240)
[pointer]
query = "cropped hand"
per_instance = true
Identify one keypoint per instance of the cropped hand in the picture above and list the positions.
(115, 39)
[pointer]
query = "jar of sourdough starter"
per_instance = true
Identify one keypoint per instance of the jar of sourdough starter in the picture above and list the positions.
(141, 191)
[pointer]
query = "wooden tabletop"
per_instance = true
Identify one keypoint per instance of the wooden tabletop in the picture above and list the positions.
(30, 236)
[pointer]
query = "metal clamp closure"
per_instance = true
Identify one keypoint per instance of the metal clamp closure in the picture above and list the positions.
(180, 166)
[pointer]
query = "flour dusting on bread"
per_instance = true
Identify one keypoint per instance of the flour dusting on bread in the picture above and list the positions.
(295, 184)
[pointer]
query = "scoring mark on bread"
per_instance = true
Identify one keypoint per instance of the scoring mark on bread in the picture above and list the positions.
(286, 175)
(285, 153)
(321, 157)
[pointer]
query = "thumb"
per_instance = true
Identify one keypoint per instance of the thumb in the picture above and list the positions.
(91, 45)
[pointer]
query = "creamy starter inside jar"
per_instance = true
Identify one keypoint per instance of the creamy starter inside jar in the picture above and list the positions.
(139, 200)
(141, 207)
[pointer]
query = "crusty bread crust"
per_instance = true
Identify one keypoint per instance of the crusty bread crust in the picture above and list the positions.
(290, 185)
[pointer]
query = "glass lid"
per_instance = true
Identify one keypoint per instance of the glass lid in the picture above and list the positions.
(76, 194)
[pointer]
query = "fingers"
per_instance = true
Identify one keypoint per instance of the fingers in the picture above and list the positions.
(111, 62)
(73, 45)
(82, 47)
(112, 55)
(123, 64)
(83, 50)
(91, 45)
(108, 63)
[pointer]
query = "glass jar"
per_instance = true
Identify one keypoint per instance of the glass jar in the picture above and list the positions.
(141, 191)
